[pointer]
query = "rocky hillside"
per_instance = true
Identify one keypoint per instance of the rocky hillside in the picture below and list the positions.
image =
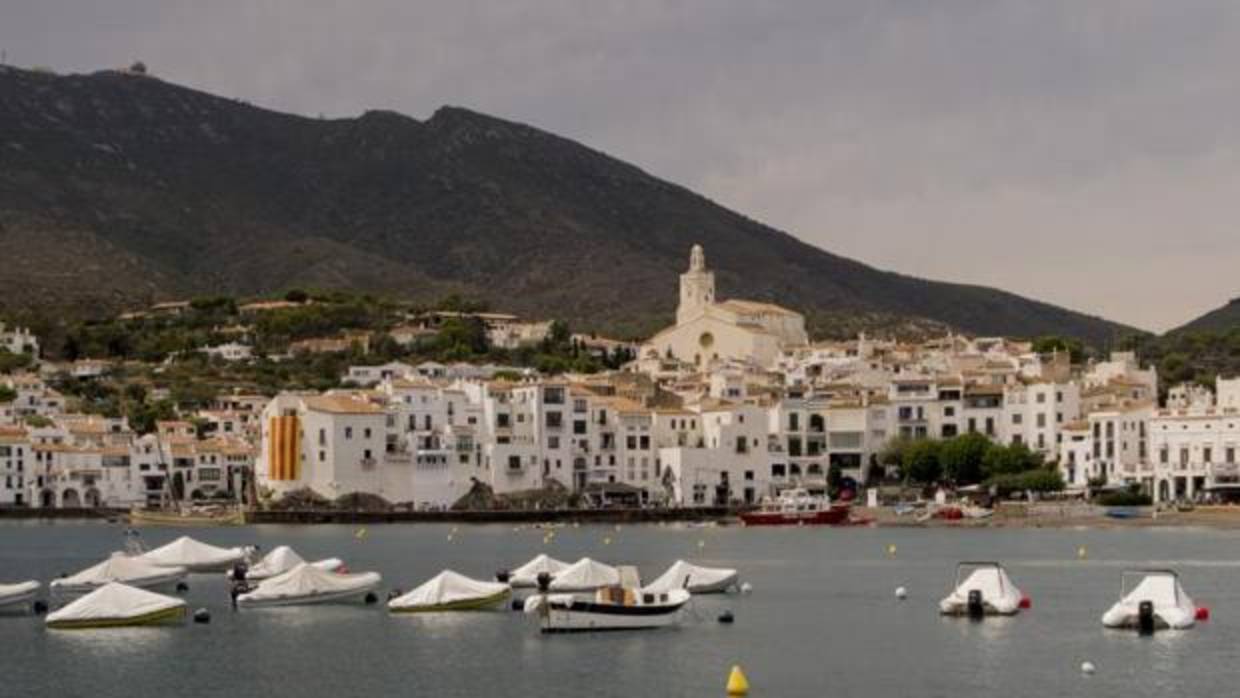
(119, 189)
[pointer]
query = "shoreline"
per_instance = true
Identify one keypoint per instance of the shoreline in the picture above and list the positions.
(1040, 516)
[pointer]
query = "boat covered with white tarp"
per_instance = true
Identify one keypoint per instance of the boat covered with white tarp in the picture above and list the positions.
(307, 584)
(585, 575)
(526, 576)
(281, 559)
(695, 579)
(1151, 600)
(982, 589)
(449, 591)
(116, 605)
(194, 555)
(126, 569)
(17, 594)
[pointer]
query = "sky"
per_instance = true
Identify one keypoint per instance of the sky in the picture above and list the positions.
(1085, 153)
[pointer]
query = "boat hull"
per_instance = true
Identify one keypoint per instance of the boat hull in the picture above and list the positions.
(149, 517)
(155, 582)
(18, 597)
(167, 615)
(832, 516)
(584, 616)
(350, 595)
(479, 604)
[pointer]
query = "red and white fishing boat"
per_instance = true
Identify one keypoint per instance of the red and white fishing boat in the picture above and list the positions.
(797, 507)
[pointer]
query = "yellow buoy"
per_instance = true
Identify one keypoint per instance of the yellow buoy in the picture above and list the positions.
(361, 533)
(1081, 553)
(891, 550)
(701, 544)
(617, 527)
(607, 540)
(449, 537)
(738, 685)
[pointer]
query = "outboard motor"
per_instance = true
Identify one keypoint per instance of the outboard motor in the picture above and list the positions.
(239, 571)
(370, 599)
(1145, 618)
(976, 610)
(503, 576)
(544, 582)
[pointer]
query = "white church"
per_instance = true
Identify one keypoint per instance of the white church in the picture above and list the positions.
(734, 330)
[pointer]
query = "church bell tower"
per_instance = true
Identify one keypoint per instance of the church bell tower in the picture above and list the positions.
(697, 287)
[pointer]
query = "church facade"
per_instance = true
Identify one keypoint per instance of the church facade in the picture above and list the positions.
(707, 331)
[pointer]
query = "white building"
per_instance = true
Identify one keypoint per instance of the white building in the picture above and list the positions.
(230, 351)
(18, 340)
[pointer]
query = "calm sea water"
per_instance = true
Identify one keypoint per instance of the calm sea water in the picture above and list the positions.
(822, 621)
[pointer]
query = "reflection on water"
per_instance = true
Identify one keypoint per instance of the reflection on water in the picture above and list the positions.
(823, 618)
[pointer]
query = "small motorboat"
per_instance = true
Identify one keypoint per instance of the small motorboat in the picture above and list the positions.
(195, 556)
(985, 591)
(695, 579)
(1156, 602)
(19, 594)
(202, 516)
(281, 559)
(131, 571)
(526, 576)
(624, 606)
(307, 584)
(797, 507)
(449, 591)
(585, 575)
(117, 605)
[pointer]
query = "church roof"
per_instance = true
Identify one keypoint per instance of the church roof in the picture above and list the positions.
(755, 307)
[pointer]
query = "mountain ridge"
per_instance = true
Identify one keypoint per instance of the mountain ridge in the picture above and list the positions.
(156, 190)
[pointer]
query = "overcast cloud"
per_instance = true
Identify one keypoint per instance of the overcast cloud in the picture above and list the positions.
(1084, 153)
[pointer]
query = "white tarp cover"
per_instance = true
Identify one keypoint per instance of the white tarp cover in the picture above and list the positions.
(281, 559)
(12, 593)
(114, 601)
(305, 581)
(1171, 604)
(122, 568)
(585, 574)
(697, 580)
(997, 589)
(527, 575)
(194, 555)
(447, 587)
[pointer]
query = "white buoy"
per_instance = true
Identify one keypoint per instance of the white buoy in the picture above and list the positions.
(901, 593)
(1088, 668)
(746, 588)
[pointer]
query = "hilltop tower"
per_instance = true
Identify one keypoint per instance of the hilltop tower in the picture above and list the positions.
(697, 287)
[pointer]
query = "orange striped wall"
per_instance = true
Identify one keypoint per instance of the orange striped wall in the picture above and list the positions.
(283, 448)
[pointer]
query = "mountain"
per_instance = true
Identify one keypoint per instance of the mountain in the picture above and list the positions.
(118, 189)
(1222, 319)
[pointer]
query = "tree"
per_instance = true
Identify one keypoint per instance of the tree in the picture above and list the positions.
(1009, 460)
(962, 458)
(7, 394)
(921, 462)
(296, 295)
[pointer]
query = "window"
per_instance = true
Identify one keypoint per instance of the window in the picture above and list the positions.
(630, 442)
(1041, 420)
(553, 442)
(1207, 455)
(348, 432)
(645, 442)
(1017, 418)
(555, 420)
(1231, 455)
(366, 433)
